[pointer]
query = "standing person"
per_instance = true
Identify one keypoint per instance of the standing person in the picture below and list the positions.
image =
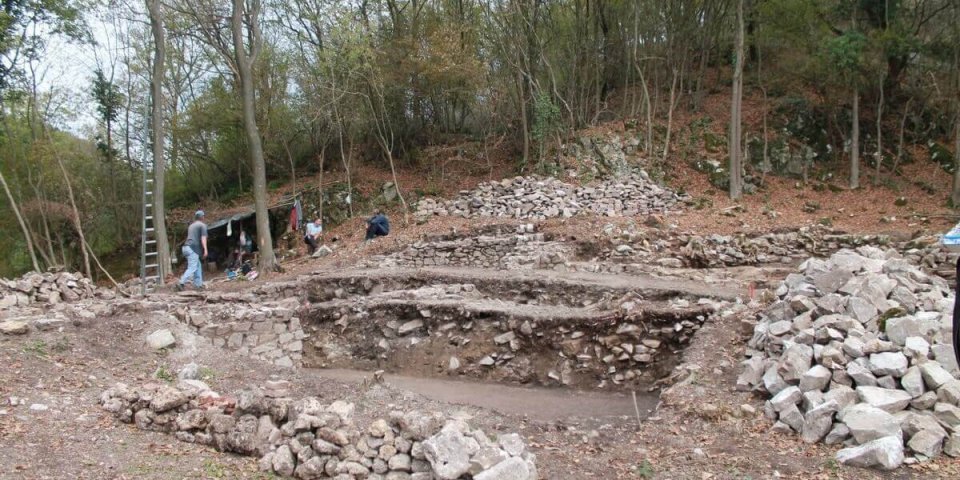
(243, 248)
(193, 248)
(377, 226)
(312, 237)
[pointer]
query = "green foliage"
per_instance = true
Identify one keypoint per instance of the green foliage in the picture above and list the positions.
(845, 52)
(164, 374)
(546, 117)
(887, 315)
(108, 97)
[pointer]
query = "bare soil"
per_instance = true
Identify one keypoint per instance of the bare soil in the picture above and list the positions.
(698, 431)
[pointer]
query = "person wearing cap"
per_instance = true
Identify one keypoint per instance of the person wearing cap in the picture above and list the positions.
(194, 248)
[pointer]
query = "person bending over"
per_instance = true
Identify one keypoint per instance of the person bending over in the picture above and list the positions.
(377, 226)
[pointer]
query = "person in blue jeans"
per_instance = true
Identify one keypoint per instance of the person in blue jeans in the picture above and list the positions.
(194, 248)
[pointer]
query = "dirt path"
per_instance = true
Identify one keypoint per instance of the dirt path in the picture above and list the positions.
(537, 404)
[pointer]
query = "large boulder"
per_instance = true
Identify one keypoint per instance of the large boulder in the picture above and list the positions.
(449, 453)
(817, 378)
(885, 453)
(888, 363)
(868, 423)
(900, 328)
(928, 442)
(886, 399)
(787, 397)
(161, 339)
(14, 327)
(795, 362)
(514, 468)
(934, 375)
(818, 421)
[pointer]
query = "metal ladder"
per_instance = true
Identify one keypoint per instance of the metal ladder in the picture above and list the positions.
(149, 254)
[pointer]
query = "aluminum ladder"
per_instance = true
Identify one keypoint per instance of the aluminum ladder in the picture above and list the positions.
(149, 254)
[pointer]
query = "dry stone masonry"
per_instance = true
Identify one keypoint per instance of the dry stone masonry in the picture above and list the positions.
(541, 198)
(520, 249)
(307, 439)
(855, 353)
(266, 331)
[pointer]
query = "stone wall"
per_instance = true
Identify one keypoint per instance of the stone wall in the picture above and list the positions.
(307, 439)
(505, 252)
(270, 332)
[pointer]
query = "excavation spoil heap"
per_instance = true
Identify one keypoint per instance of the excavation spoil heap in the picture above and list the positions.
(542, 198)
(855, 351)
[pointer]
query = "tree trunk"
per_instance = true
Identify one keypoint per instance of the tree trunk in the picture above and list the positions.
(955, 194)
(879, 152)
(23, 224)
(736, 181)
(855, 142)
(76, 213)
(903, 126)
(157, 134)
(666, 141)
(244, 62)
(523, 123)
(323, 157)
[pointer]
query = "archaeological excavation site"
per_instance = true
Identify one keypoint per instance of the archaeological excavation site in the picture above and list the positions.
(516, 347)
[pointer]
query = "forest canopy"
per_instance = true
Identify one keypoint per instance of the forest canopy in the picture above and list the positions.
(249, 92)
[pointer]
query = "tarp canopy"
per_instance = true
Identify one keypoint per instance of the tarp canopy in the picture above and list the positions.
(237, 217)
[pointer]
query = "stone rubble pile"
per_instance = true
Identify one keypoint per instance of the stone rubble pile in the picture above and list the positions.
(49, 288)
(542, 198)
(856, 351)
(688, 249)
(307, 439)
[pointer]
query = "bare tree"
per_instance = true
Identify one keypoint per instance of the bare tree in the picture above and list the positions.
(23, 226)
(238, 40)
(736, 180)
(154, 9)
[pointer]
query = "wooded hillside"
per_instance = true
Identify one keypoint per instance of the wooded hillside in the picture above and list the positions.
(230, 99)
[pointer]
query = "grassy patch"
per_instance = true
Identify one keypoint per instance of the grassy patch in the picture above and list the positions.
(213, 469)
(645, 469)
(164, 374)
(206, 374)
(36, 348)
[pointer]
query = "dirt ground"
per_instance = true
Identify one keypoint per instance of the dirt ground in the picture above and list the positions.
(699, 431)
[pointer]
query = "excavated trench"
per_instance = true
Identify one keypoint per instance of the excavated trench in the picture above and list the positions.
(485, 329)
